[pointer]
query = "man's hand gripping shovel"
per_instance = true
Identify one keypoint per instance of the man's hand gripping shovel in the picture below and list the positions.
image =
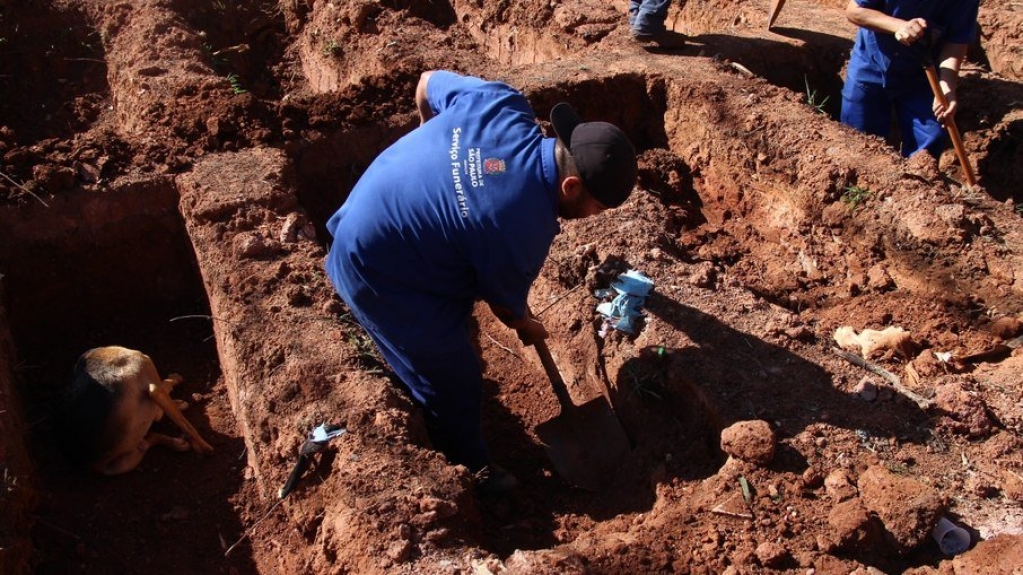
(950, 123)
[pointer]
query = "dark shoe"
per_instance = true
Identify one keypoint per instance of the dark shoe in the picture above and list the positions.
(667, 39)
(495, 481)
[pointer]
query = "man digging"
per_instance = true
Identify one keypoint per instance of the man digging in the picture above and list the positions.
(465, 207)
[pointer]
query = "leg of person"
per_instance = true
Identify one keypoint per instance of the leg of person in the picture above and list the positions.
(867, 108)
(650, 17)
(647, 26)
(920, 129)
(448, 387)
(633, 12)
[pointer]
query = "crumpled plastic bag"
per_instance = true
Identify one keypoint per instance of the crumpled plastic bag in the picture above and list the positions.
(632, 289)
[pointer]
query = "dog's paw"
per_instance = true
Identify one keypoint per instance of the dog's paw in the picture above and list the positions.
(181, 403)
(174, 379)
(179, 444)
(174, 443)
(199, 445)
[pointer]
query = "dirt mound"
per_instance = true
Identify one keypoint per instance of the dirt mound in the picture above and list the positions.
(166, 172)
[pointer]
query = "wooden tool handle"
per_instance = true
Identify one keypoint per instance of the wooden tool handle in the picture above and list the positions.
(557, 382)
(950, 123)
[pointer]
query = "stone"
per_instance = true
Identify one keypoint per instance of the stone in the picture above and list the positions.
(908, 508)
(1000, 555)
(771, 554)
(839, 486)
(750, 441)
(851, 527)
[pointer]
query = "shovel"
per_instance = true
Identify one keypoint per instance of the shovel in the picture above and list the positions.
(776, 6)
(586, 443)
(950, 123)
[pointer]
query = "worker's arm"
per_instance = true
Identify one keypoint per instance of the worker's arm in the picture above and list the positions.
(950, 58)
(422, 103)
(529, 329)
(905, 31)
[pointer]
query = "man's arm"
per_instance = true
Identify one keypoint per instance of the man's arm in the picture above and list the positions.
(529, 329)
(905, 31)
(422, 102)
(949, 61)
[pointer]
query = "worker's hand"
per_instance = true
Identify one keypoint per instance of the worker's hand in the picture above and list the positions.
(942, 112)
(531, 331)
(911, 31)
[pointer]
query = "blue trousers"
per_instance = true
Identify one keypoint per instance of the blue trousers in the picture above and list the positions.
(648, 16)
(448, 387)
(868, 108)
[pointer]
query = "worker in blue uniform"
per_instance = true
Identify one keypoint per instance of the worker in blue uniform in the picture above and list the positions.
(462, 208)
(886, 69)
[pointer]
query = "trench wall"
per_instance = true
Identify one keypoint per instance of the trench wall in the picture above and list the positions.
(16, 496)
(286, 358)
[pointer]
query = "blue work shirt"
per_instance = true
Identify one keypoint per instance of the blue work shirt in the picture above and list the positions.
(464, 207)
(878, 58)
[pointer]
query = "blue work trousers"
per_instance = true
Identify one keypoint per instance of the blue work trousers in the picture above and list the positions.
(648, 16)
(448, 386)
(868, 108)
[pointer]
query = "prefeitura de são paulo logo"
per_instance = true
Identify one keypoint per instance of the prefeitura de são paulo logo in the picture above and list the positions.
(493, 166)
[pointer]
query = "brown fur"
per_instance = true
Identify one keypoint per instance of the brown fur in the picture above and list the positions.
(136, 397)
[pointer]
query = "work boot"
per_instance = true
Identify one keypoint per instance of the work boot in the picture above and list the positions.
(495, 481)
(666, 39)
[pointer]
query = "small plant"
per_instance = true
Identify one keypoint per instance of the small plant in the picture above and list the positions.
(218, 63)
(641, 383)
(854, 196)
(366, 354)
(332, 48)
(898, 468)
(1019, 209)
(812, 97)
(236, 85)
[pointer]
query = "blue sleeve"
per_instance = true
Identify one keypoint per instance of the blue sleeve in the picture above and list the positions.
(505, 280)
(443, 88)
(872, 4)
(962, 22)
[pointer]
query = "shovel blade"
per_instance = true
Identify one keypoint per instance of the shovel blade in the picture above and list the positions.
(586, 444)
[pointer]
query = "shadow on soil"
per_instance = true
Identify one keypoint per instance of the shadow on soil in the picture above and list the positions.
(674, 402)
(740, 377)
(815, 67)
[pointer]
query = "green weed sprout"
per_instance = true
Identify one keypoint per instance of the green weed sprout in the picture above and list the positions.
(236, 84)
(854, 196)
(332, 48)
(812, 97)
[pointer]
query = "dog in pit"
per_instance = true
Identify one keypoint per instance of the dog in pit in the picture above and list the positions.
(116, 395)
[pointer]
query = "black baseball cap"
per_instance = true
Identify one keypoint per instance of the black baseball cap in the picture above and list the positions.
(603, 153)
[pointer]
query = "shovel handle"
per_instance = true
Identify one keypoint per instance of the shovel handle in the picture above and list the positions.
(772, 15)
(950, 123)
(557, 382)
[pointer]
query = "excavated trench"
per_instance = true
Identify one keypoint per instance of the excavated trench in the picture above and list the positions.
(214, 270)
(121, 268)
